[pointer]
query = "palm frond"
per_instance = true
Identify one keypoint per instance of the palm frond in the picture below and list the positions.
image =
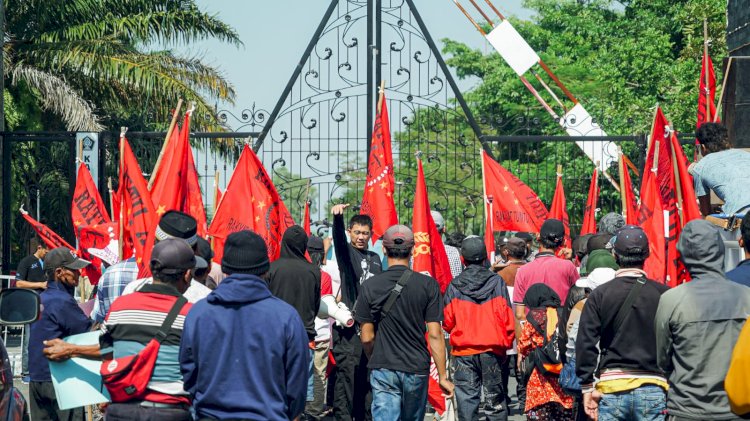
(183, 26)
(57, 96)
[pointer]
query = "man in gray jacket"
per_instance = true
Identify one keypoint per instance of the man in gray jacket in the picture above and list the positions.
(697, 325)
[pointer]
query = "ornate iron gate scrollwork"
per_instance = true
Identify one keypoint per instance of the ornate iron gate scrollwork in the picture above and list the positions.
(320, 129)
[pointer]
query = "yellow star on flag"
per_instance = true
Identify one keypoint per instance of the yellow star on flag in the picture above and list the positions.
(515, 201)
(161, 210)
(78, 223)
(257, 219)
(371, 189)
(506, 188)
(261, 205)
(384, 184)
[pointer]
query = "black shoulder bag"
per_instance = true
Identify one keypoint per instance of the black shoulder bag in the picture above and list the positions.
(395, 293)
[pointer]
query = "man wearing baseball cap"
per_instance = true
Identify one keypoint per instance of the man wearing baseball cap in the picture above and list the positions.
(133, 321)
(546, 268)
(399, 302)
(60, 317)
(616, 341)
(454, 256)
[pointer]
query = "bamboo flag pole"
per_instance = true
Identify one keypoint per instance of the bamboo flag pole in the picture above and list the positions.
(120, 244)
(172, 125)
(468, 16)
(723, 89)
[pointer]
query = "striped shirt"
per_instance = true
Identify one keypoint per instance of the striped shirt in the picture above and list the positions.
(112, 284)
(133, 321)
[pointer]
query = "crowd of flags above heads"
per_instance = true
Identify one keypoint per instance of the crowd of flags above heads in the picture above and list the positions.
(667, 199)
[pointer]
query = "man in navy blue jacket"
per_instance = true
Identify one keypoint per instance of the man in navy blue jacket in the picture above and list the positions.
(244, 353)
(60, 317)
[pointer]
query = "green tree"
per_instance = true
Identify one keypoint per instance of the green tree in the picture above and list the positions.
(93, 64)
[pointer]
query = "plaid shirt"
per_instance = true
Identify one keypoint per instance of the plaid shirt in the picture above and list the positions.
(112, 285)
(454, 259)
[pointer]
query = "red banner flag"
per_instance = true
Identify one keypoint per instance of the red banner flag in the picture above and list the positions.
(88, 210)
(49, 237)
(706, 92)
(138, 213)
(250, 202)
(515, 206)
(169, 178)
(87, 207)
(192, 203)
(429, 251)
(651, 217)
(630, 206)
(690, 209)
(559, 209)
(589, 213)
(431, 259)
(377, 201)
(306, 218)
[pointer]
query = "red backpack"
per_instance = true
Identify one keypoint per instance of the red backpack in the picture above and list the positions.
(127, 378)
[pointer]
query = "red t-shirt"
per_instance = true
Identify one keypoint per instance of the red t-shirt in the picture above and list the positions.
(556, 273)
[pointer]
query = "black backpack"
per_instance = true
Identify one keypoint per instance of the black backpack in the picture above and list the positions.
(548, 358)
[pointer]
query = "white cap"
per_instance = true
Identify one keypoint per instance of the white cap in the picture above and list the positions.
(439, 221)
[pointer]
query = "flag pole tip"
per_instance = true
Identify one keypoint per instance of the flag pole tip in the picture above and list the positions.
(418, 154)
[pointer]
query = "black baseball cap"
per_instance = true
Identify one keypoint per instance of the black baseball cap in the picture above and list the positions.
(631, 240)
(473, 249)
(553, 230)
(398, 237)
(174, 255)
(315, 244)
(516, 246)
(64, 257)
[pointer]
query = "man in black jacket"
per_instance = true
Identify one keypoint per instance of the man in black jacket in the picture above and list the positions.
(631, 386)
(295, 280)
(352, 394)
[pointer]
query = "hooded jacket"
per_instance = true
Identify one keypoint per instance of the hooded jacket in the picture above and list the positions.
(478, 313)
(697, 325)
(244, 353)
(295, 280)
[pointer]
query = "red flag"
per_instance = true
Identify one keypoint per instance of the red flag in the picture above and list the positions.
(377, 201)
(250, 202)
(515, 207)
(429, 251)
(192, 203)
(137, 211)
(87, 207)
(50, 238)
(651, 218)
(114, 203)
(559, 209)
(589, 213)
(630, 208)
(169, 178)
(706, 92)
(87, 210)
(306, 218)
(429, 258)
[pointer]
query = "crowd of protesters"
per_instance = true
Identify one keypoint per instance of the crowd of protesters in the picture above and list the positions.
(585, 333)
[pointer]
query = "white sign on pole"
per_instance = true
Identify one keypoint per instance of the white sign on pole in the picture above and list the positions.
(87, 149)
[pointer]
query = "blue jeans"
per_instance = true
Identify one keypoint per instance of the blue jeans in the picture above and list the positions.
(471, 374)
(646, 403)
(311, 374)
(397, 395)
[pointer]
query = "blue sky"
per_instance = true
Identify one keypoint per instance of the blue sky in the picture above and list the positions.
(275, 34)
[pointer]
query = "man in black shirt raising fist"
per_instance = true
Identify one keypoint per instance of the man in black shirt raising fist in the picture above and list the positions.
(352, 395)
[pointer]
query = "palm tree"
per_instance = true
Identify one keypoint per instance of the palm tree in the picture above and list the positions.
(91, 62)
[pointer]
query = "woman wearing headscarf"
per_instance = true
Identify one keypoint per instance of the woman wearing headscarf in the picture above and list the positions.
(545, 399)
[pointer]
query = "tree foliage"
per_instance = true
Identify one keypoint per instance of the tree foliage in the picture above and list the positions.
(93, 64)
